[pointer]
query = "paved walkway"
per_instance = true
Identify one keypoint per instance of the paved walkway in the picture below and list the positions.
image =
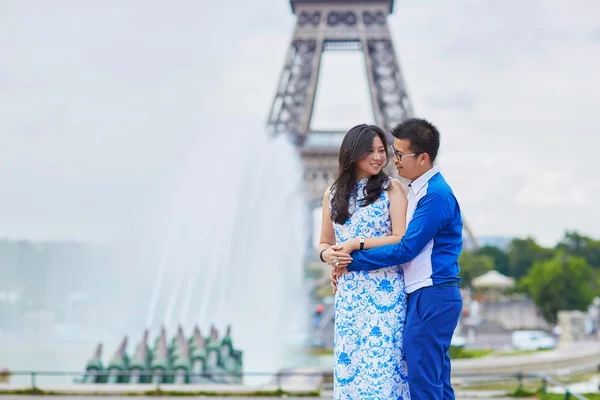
(27, 397)
(563, 357)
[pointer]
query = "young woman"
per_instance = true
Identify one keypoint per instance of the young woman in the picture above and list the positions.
(365, 208)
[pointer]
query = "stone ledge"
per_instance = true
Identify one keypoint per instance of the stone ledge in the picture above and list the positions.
(162, 390)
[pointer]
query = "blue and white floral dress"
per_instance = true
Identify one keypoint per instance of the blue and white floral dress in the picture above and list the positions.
(370, 311)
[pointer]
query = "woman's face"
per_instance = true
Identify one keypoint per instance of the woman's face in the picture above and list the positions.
(374, 160)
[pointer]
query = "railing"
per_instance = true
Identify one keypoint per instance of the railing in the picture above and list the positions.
(546, 382)
(277, 379)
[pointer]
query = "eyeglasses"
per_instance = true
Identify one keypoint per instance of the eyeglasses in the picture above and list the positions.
(399, 155)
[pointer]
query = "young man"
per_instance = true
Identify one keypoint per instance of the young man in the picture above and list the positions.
(429, 253)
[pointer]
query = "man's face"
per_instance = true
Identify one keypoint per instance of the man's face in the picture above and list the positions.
(408, 163)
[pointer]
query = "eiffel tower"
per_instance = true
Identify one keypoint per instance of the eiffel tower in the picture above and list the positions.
(336, 25)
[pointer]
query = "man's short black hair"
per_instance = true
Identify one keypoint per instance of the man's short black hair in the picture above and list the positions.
(422, 134)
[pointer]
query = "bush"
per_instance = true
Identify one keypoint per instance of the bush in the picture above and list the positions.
(460, 352)
(4, 375)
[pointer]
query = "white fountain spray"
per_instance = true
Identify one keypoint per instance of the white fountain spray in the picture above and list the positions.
(238, 242)
(158, 281)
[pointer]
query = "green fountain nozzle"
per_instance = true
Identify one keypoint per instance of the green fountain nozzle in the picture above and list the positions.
(182, 363)
(94, 368)
(175, 349)
(197, 356)
(162, 333)
(119, 364)
(178, 343)
(161, 361)
(140, 358)
(213, 346)
(198, 345)
(195, 360)
(141, 361)
(180, 336)
(161, 357)
(227, 338)
(95, 362)
(226, 357)
(192, 340)
(226, 347)
(213, 339)
(214, 364)
(120, 359)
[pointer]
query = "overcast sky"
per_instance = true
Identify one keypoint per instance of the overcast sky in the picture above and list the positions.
(100, 101)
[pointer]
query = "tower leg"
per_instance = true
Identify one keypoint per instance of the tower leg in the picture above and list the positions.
(391, 96)
(289, 106)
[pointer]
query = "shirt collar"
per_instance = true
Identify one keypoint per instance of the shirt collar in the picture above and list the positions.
(418, 183)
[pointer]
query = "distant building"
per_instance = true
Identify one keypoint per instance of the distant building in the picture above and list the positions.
(498, 310)
(494, 281)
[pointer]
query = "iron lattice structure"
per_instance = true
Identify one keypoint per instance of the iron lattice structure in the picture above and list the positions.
(336, 25)
(342, 25)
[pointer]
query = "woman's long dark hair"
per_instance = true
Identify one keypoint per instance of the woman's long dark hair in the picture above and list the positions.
(356, 145)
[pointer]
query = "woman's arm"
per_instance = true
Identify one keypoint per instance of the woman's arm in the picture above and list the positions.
(398, 204)
(327, 239)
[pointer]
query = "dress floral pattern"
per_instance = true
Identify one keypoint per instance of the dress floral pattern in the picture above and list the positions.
(370, 311)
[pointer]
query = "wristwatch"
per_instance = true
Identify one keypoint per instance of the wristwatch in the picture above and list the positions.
(362, 243)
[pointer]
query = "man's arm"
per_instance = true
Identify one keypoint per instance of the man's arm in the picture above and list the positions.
(430, 217)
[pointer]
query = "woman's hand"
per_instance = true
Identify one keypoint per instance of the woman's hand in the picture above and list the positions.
(335, 257)
(349, 246)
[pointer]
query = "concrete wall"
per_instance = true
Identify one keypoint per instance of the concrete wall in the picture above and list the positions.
(514, 314)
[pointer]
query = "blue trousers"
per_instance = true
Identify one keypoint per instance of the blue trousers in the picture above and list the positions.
(431, 319)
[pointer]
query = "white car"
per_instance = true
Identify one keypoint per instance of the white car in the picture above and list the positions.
(532, 340)
(458, 341)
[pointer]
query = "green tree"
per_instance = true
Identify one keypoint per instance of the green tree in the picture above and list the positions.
(523, 253)
(575, 244)
(499, 256)
(561, 283)
(472, 266)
